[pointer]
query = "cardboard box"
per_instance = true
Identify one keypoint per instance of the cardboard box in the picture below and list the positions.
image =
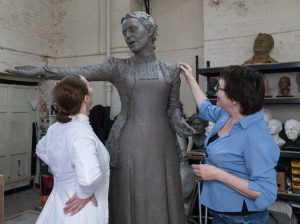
(281, 181)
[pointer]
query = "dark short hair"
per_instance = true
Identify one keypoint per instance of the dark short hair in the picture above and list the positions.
(69, 94)
(244, 85)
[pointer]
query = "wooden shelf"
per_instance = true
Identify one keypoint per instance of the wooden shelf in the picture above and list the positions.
(288, 196)
(290, 154)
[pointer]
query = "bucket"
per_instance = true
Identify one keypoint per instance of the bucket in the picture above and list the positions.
(43, 200)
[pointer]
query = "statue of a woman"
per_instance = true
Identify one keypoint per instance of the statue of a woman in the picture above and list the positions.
(145, 182)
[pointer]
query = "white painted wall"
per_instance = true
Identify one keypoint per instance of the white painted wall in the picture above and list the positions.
(26, 32)
(231, 26)
(180, 37)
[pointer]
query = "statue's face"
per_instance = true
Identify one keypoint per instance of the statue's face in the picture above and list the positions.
(284, 83)
(291, 131)
(136, 36)
(261, 45)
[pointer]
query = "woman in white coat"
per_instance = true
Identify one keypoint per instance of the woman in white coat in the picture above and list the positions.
(77, 158)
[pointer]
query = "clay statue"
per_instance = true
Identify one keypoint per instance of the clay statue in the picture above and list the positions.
(263, 44)
(284, 85)
(188, 178)
(145, 185)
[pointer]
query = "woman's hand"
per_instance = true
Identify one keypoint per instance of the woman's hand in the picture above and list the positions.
(75, 204)
(187, 70)
(206, 171)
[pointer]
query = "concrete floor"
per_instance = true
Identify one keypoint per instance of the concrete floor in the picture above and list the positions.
(21, 201)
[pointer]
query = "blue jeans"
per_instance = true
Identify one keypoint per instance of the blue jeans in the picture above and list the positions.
(257, 218)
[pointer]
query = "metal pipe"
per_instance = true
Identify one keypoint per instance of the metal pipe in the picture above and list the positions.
(108, 85)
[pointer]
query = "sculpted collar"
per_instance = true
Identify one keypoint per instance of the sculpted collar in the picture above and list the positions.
(145, 58)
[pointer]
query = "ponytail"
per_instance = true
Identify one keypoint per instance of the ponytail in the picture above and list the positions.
(63, 116)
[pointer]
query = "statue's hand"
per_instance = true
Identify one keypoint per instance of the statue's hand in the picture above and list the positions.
(183, 129)
(28, 71)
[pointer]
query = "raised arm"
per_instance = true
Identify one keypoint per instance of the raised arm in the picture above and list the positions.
(107, 71)
(198, 94)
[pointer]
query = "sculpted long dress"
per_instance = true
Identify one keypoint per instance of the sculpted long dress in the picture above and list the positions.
(145, 186)
(80, 164)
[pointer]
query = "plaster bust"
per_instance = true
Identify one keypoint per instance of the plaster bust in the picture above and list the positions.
(263, 44)
(275, 126)
(292, 129)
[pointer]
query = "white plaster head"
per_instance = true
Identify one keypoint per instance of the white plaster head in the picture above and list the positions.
(274, 126)
(292, 129)
(267, 115)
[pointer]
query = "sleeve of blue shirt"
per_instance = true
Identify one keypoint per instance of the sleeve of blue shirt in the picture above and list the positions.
(210, 112)
(261, 155)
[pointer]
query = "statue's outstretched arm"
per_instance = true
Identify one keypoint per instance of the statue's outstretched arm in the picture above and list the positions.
(100, 72)
(174, 112)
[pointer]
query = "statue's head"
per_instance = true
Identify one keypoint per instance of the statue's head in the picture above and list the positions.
(263, 43)
(134, 26)
(274, 126)
(284, 82)
(292, 129)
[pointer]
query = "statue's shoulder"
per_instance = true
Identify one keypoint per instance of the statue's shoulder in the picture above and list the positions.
(173, 69)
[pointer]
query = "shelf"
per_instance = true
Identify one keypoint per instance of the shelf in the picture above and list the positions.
(282, 100)
(264, 68)
(290, 153)
(288, 196)
(277, 100)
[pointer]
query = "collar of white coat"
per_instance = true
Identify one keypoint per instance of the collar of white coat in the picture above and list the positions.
(80, 117)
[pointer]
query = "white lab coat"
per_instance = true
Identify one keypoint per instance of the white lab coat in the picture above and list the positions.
(80, 164)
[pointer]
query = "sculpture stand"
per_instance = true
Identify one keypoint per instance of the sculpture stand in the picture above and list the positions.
(196, 157)
(193, 218)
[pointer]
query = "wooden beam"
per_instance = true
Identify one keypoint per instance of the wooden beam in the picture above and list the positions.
(1, 199)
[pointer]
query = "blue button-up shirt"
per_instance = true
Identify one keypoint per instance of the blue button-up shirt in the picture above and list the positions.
(247, 151)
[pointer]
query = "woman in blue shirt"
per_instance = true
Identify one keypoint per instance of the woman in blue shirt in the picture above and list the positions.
(239, 175)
